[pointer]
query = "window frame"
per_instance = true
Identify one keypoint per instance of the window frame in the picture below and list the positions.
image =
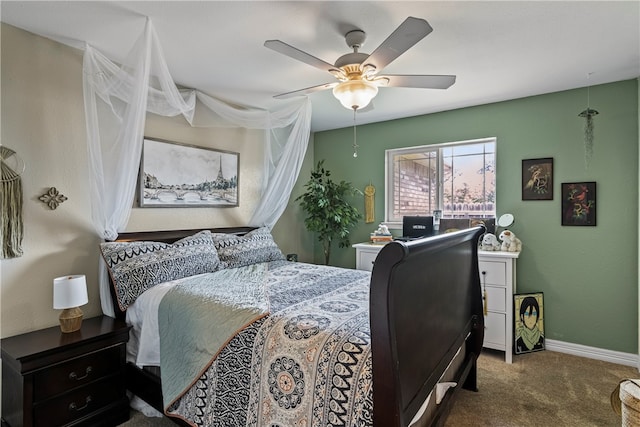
(438, 148)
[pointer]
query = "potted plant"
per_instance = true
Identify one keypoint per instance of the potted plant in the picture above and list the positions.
(329, 214)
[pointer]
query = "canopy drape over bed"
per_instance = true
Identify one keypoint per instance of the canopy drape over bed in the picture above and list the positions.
(117, 99)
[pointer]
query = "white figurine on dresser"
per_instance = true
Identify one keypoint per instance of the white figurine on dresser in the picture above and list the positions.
(498, 280)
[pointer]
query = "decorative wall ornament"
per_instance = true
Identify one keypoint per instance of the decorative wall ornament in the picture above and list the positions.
(11, 225)
(588, 114)
(53, 198)
(369, 201)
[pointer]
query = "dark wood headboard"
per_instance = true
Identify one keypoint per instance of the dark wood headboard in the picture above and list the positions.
(165, 236)
(426, 301)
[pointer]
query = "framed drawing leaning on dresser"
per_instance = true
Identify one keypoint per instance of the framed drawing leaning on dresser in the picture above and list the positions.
(529, 322)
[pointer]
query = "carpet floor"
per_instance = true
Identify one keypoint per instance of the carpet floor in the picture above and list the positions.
(538, 390)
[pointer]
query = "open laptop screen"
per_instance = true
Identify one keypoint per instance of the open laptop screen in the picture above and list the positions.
(417, 226)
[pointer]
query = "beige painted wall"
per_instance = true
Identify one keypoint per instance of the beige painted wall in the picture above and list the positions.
(43, 120)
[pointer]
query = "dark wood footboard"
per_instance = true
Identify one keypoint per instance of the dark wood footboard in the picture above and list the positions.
(426, 303)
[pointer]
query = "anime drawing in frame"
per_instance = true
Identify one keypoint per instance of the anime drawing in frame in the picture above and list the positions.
(537, 179)
(529, 322)
(579, 203)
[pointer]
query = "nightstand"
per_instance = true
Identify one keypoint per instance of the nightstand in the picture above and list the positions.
(75, 379)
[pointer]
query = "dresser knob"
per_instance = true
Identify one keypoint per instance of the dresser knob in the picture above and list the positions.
(74, 407)
(74, 376)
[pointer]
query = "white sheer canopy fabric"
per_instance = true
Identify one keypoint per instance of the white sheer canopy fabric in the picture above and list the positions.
(117, 99)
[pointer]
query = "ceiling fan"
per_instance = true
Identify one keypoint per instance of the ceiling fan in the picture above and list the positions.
(357, 72)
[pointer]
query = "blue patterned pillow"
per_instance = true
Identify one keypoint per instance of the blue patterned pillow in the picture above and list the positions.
(254, 247)
(135, 267)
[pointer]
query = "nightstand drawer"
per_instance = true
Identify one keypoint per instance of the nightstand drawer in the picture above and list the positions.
(78, 403)
(74, 373)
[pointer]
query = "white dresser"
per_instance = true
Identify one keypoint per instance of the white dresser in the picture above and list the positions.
(499, 282)
(498, 279)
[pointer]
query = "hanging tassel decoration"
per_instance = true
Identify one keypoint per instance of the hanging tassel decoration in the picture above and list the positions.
(369, 202)
(485, 300)
(11, 226)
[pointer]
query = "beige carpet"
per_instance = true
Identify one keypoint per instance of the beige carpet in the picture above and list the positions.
(541, 389)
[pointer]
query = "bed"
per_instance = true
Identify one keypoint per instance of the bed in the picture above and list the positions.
(297, 344)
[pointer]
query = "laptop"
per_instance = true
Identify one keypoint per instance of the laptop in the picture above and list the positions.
(415, 227)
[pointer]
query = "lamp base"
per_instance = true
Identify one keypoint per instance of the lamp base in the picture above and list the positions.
(71, 319)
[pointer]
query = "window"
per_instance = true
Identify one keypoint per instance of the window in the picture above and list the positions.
(458, 178)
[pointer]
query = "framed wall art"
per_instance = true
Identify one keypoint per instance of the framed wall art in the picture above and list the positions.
(537, 179)
(579, 203)
(528, 314)
(180, 175)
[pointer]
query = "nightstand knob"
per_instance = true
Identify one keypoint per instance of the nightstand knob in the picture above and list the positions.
(74, 376)
(74, 407)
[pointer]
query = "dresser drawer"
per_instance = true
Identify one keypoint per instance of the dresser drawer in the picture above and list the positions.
(496, 298)
(76, 372)
(496, 273)
(365, 262)
(78, 403)
(494, 333)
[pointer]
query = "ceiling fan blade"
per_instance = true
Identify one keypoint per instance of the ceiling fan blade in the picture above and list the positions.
(306, 91)
(420, 81)
(296, 53)
(410, 32)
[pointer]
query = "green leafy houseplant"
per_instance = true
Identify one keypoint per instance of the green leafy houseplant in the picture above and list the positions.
(329, 214)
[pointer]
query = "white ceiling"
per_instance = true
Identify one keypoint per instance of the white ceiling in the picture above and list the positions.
(498, 50)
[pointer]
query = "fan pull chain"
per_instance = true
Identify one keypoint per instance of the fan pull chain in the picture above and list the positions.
(355, 144)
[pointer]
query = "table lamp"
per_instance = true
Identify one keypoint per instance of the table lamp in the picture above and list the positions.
(69, 293)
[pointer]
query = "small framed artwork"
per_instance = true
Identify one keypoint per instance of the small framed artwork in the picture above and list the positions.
(579, 203)
(181, 175)
(537, 179)
(528, 313)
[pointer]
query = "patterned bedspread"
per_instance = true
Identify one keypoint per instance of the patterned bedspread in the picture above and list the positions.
(308, 363)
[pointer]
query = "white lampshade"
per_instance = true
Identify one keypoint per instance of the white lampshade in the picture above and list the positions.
(355, 94)
(69, 291)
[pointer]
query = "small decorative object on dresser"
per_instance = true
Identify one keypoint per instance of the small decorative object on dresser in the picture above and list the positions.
(54, 379)
(489, 242)
(382, 235)
(510, 243)
(69, 293)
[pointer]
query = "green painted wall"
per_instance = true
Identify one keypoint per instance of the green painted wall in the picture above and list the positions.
(589, 275)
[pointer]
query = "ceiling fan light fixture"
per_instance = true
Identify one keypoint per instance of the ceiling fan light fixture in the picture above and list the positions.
(355, 94)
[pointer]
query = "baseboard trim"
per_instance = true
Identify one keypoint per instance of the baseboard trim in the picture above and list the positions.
(628, 359)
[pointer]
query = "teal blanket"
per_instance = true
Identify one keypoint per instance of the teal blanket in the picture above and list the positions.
(212, 307)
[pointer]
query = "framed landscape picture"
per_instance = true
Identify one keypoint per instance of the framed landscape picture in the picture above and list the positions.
(181, 175)
(528, 314)
(579, 203)
(537, 179)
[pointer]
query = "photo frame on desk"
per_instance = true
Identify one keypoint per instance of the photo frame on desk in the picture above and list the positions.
(175, 175)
